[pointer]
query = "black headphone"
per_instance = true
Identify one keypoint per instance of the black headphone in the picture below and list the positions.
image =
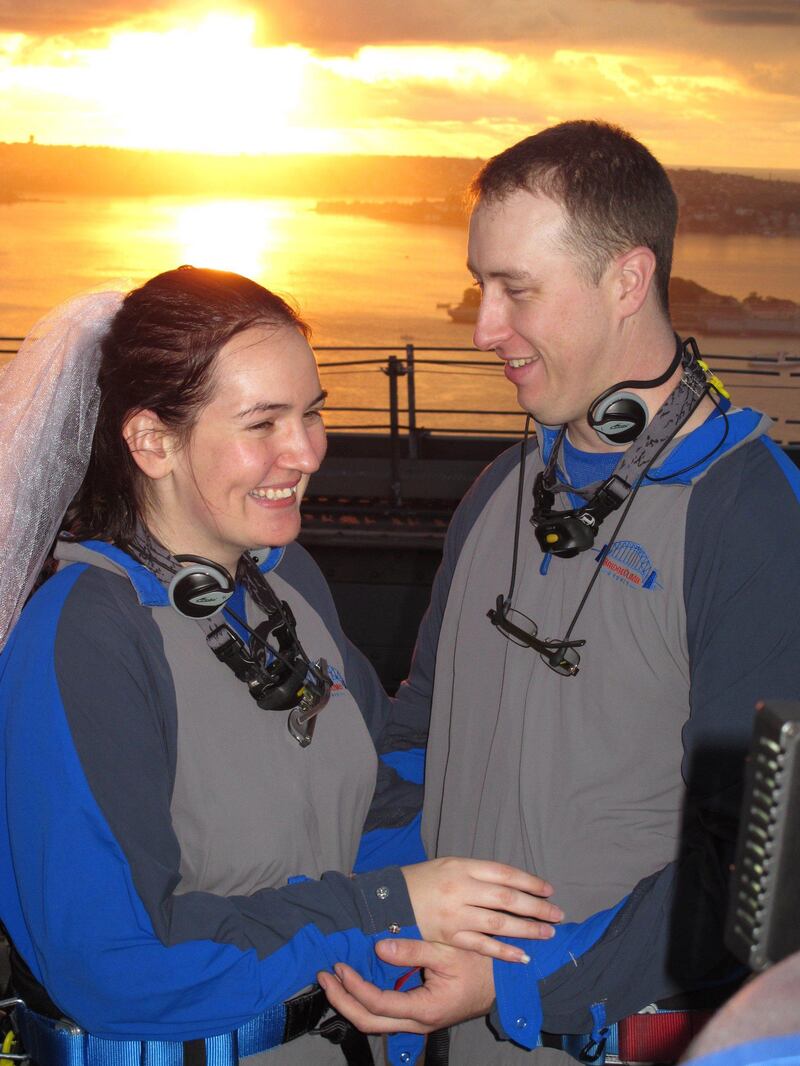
(618, 416)
(278, 673)
(566, 533)
(200, 590)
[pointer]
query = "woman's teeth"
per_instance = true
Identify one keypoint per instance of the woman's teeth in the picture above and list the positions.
(273, 494)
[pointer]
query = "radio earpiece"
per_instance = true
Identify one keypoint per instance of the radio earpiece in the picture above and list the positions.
(619, 416)
(278, 673)
(200, 589)
(566, 533)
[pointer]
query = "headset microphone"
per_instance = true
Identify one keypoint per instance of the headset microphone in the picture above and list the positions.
(566, 533)
(201, 589)
(619, 416)
(278, 673)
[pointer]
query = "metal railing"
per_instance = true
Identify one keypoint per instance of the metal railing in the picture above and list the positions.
(401, 420)
(408, 366)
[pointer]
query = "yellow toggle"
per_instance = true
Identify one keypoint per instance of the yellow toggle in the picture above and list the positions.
(8, 1046)
(714, 381)
(551, 538)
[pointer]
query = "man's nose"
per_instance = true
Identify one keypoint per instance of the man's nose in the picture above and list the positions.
(492, 327)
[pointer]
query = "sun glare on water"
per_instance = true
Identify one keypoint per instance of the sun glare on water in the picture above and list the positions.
(204, 87)
(233, 235)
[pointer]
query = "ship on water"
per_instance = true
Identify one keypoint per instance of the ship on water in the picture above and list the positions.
(696, 309)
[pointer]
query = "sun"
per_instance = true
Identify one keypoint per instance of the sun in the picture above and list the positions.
(201, 87)
(236, 235)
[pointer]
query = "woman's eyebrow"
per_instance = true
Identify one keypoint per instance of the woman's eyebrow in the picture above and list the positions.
(265, 407)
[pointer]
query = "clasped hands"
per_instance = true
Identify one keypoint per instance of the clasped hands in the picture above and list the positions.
(460, 905)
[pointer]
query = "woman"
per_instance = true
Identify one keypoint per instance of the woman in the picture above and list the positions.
(188, 752)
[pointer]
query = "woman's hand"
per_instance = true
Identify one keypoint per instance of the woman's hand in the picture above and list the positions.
(468, 902)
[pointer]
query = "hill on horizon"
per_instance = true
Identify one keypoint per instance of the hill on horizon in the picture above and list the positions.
(30, 170)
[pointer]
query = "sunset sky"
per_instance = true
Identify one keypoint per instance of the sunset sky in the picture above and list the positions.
(713, 82)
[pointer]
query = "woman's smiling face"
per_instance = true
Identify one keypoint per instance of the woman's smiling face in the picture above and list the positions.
(238, 481)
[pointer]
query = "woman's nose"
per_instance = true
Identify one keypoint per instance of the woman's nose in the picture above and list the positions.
(305, 449)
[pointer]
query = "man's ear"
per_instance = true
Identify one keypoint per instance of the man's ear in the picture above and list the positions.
(151, 444)
(635, 270)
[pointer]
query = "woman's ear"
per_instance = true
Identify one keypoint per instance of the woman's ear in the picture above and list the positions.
(150, 442)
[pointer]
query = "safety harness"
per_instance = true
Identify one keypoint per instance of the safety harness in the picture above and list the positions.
(45, 1037)
(51, 1042)
(653, 1036)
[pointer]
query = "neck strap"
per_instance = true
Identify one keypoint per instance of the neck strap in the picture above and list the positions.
(676, 410)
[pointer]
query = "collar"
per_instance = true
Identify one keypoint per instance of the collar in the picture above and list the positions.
(744, 424)
(149, 590)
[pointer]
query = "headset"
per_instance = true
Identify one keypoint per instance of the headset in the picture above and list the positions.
(201, 589)
(566, 533)
(274, 666)
(618, 416)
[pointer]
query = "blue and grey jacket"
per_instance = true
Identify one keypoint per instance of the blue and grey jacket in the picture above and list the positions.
(164, 841)
(620, 785)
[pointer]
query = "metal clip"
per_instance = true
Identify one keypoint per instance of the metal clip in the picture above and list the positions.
(314, 698)
(11, 1038)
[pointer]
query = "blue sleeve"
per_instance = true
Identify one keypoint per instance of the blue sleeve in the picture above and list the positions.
(401, 845)
(89, 892)
(519, 1013)
(742, 596)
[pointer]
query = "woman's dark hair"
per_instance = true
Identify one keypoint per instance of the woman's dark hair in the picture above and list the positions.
(159, 355)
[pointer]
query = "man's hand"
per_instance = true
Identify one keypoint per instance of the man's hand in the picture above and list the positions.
(457, 985)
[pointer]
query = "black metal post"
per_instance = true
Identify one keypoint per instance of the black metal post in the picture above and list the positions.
(411, 390)
(394, 372)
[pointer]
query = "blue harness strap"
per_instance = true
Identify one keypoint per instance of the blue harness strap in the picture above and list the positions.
(52, 1043)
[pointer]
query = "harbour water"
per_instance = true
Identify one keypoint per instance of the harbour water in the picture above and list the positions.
(358, 281)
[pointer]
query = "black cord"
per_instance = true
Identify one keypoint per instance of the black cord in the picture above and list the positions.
(601, 559)
(712, 395)
(258, 586)
(520, 488)
(607, 548)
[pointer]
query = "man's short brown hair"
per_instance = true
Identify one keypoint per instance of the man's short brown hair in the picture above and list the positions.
(615, 192)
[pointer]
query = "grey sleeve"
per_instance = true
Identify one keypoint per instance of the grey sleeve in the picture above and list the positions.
(396, 801)
(412, 703)
(742, 596)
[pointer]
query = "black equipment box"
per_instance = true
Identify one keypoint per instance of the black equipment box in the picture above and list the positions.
(763, 921)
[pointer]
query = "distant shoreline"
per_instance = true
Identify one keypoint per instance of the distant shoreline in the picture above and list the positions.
(695, 308)
(711, 201)
(764, 173)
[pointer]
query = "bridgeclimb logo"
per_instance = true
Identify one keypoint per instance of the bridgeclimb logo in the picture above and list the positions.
(628, 562)
(337, 679)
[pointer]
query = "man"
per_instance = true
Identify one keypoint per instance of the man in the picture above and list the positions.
(593, 728)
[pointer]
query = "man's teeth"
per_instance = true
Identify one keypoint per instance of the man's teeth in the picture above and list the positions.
(273, 494)
(519, 362)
